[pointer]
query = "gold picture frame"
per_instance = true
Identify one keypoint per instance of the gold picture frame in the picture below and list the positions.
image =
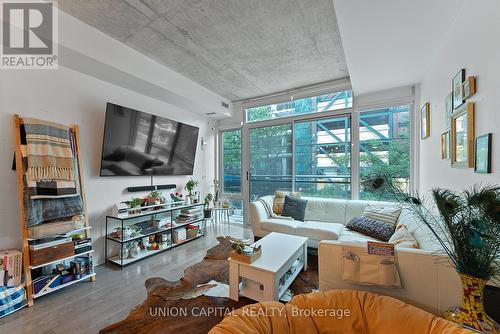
(463, 137)
(425, 121)
(469, 87)
(445, 145)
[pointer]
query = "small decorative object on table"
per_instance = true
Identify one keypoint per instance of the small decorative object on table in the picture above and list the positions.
(216, 192)
(468, 230)
(245, 253)
(207, 212)
(177, 197)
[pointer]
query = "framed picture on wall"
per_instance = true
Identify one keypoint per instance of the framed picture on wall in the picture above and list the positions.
(445, 145)
(483, 154)
(462, 137)
(425, 122)
(449, 110)
(469, 87)
(457, 89)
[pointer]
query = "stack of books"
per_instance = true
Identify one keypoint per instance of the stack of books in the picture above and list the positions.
(189, 215)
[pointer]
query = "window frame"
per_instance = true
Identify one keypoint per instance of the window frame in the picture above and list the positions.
(292, 99)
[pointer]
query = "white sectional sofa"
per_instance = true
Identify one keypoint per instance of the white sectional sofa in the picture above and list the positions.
(324, 220)
(428, 280)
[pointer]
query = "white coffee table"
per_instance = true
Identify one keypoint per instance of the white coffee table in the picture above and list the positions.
(260, 280)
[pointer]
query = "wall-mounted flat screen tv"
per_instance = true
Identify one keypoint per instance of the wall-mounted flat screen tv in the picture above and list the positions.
(137, 143)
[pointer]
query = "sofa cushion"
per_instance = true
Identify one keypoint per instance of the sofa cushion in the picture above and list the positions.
(355, 208)
(279, 225)
(422, 234)
(373, 228)
(403, 238)
(319, 230)
(386, 214)
(294, 207)
(279, 200)
(325, 210)
(353, 236)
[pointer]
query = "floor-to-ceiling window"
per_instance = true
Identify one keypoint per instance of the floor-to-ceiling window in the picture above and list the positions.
(270, 160)
(322, 157)
(231, 172)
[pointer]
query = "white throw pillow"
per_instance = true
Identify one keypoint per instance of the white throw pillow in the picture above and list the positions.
(403, 238)
(386, 214)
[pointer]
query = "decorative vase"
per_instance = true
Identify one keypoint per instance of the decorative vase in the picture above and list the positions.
(471, 313)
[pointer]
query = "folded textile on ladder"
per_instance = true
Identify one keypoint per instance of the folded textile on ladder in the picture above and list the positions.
(49, 151)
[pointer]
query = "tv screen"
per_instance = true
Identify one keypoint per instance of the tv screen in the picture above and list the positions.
(137, 143)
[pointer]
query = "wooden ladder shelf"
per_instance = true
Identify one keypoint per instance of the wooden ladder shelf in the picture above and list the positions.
(18, 121)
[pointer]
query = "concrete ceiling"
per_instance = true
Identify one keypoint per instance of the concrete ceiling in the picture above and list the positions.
(238, 49)
(391, 43)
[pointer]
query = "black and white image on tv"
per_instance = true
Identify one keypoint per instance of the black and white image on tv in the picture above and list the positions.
(138, 143)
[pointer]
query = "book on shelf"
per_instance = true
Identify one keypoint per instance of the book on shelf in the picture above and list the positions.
(49, 242)
(191, 211)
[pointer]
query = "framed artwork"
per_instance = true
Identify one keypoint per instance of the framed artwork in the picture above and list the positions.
(445, 145)
(469, 87)
(462, 137)
(483, 154)
(425, 123)
(457, 89)
(449, 110)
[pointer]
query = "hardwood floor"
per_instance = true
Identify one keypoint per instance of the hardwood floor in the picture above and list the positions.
(90, 306)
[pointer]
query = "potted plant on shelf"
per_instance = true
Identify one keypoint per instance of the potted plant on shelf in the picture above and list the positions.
(467, 226)
(207, 212)
(134, 203)
(154, 198)
(189, 187)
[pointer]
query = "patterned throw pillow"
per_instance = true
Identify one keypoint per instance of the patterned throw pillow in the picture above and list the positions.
(294, 207)
(279, 200)
(385, 214)
(372, 228)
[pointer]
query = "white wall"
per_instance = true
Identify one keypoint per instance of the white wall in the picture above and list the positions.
(471, 43)
(69, 96)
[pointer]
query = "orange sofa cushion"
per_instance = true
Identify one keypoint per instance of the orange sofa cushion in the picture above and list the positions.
(335, 312)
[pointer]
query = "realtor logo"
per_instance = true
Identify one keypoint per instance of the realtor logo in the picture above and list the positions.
(29, 35)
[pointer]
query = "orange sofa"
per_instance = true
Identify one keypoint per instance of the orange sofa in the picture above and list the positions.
(334, 312)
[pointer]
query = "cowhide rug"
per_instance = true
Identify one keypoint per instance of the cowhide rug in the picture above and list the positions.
(179, 307)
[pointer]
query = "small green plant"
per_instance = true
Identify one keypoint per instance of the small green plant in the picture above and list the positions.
(208, 199)
(190, 185)
(135, 202)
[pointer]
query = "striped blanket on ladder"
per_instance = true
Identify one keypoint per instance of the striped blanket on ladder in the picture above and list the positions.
(49, 154)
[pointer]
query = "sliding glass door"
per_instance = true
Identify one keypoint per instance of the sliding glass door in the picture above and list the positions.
(322, 157)
(270, 160)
